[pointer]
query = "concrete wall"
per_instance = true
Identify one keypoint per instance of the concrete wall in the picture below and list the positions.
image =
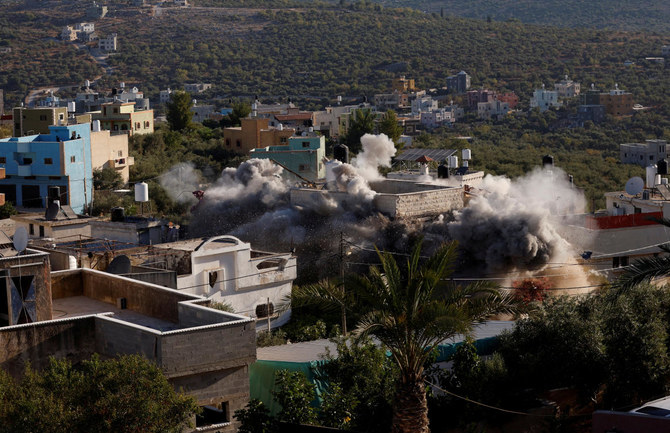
(420, 203)
(35, 343)
(191, 315)
(154, 276)
(114, 337)
(67, 284)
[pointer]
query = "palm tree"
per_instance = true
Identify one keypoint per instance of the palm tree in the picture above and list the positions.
(646, 269)
(408, 310)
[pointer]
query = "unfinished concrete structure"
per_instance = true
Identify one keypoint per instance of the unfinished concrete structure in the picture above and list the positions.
(204, 352)
(395, 198)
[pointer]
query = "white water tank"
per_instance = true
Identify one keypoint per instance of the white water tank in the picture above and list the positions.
(465, 164)
(453, 161)
(71, 107)
(466, 154)
(141, 192)
(657, 180)
(96, 126)
(651, 176)
(71, 262)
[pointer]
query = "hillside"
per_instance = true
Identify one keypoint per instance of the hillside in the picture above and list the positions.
(644, 15)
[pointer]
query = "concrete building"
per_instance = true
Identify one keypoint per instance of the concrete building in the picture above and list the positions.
(303, 155)
(510, 98)
(121, 118)
(544, 99)
(225, 269)
(617, 102)
(201, 112)
(111, 151)
(132, 94)
(96, 11)
(494, 110)
(390, 101)
(68, 34)
(135, 230)
(423, 104)
(108, 43)
(254, 133)
(594, 113)
(327, 122)
(165, 96)
(64, 226)
(436, 118)
(474, 97)
(403, 85)
(196, 88)
(394, 198)
(30, 121)
(300, 121)
(567, 88)
(459, 83)
(34, 163)
(643, 154)
(203, 352)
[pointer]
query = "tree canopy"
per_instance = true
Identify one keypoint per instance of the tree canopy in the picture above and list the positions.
(178, 110)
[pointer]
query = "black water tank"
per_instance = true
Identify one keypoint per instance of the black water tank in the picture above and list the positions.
(341, 153)
(442, 171)
(54, 193)
(118, 214)
(662, 166)
(547, 160)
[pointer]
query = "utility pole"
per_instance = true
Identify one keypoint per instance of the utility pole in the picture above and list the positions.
(344, 311)
(268, 311)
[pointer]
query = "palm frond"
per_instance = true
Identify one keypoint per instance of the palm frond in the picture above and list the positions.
(643, 270)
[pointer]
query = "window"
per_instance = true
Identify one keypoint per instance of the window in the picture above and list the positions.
(262, 310)
(651, 157)
(41, 231)
(238, 143)
(116, 110)
(61, 116)
(27, 161)
(48, 161)
(72, 158)
(3, 160)
(283, 140)
(31, 229)
(119, 153)
(228, 142)
(303, 167)
(116, 127)
(305, 144)
(137, 125)
(43, 117)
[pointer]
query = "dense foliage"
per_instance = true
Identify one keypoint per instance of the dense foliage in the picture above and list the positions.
(128, 394)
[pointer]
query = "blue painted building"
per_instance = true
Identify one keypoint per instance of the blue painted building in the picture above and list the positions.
(34, 163)
(302, 155)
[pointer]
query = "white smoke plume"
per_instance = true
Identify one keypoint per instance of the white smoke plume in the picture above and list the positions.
(510, 226)
(180, 181)
(257, 178)
(377, 152)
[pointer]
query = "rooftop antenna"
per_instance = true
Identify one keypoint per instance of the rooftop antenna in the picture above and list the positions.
(634, 186)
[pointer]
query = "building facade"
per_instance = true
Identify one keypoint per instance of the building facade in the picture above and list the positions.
(34, 163)
(493, 110)
(643, 154)
(254, 133)
(567, 88)
(302, 155)
(108, 43)
(544, 99)
(30, 121)
(459, 83)
(111, 151)
(121, 118)
(617, 102)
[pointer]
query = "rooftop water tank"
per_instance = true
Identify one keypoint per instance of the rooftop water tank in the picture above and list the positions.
(466, 154)
(651, 176)
(141, 192)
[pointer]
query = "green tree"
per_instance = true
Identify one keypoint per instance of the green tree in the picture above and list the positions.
(361, 122)
(178, 111)
(240, 111)
(128, 394)
(7, 210)
(295, 394)
(389, 126)
(107, 178)
(255, 418)
(410, 311)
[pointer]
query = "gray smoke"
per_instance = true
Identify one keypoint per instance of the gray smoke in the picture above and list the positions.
(180, 181)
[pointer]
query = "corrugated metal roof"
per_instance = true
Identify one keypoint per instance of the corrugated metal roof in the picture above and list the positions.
(435, 154)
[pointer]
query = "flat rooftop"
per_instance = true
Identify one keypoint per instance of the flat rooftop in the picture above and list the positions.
(76, 306)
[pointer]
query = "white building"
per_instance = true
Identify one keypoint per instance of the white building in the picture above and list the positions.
(492, 110)
(109, 43)
(643, 154)
(201, 112)
(544, 99)
(423, 104)
(567, 88)
(436, 118)
(85, 27)
(197, 87)
(225, 269)
(165, 95)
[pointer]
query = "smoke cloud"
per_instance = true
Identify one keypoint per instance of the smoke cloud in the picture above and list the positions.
(508, 226)
(180, 181)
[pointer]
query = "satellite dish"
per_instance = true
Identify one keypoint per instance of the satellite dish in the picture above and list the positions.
(120, 265)
(634, 186)
(20, 239)
(52, 211)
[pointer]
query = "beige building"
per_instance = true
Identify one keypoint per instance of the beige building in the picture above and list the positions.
(31, 121)
(121, 118)
(111, 151)
(254, 133)
(64, 226)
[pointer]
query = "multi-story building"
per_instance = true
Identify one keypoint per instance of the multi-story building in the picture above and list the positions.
(254, 133)
(303, 155)
(203, 352)
(121, 118)
(108, 43)
(644, 154)
(423, 104)
(544, 99)
(201, 112)
(85, 27)
(111, 151)
(34, 163)
(510, 98)
(492, 110)
(96, 11)
(567, 88)
(30, 121)
(617, 102)
(436, 118)
(403, 85)
(459, 83)
(593, 113)
(474, 97)
(68, 34)
(389, 101)
(165, 96)
(328, 121)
